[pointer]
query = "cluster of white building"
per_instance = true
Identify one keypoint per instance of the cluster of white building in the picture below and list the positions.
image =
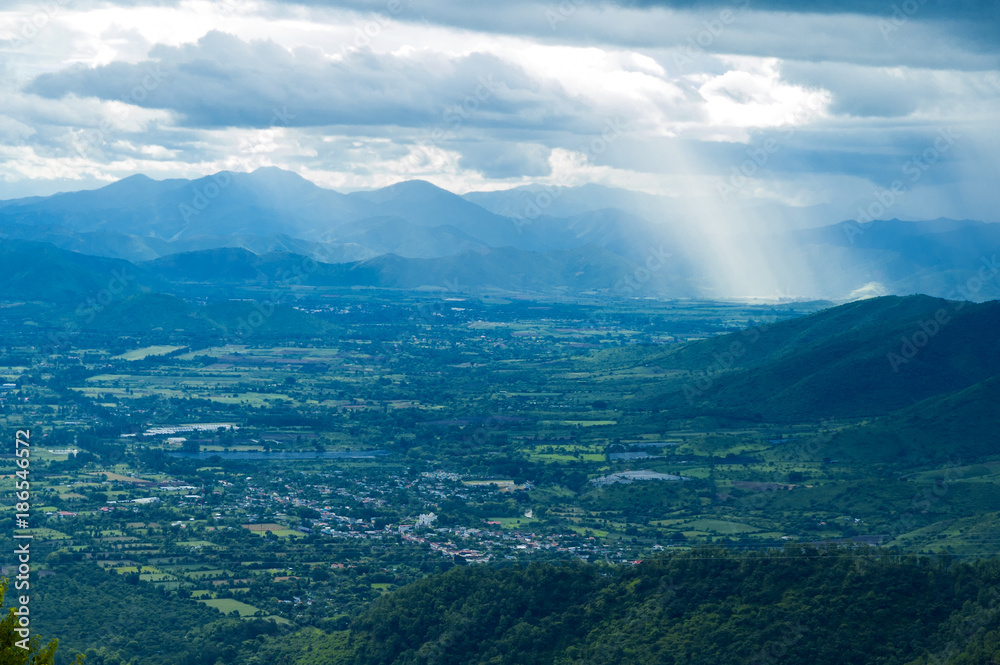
(189, 427)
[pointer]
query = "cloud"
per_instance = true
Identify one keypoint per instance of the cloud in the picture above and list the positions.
(361, 93)
(893, 92)
(502, 160)
(966, 32)
(223, 81)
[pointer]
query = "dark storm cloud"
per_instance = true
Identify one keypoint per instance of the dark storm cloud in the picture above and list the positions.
(224, 81)
(921, 33)
(779, 28)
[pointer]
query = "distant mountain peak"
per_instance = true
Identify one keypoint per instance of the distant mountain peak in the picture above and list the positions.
(414, 185)
(273, 172)
(405, 189)
(137, 177)
(139, 181)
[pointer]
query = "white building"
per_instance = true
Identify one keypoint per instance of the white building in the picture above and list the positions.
(426, 519)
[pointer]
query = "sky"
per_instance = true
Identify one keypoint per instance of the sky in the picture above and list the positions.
(841, 108)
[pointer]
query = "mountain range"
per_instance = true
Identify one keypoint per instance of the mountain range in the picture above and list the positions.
(588, 239)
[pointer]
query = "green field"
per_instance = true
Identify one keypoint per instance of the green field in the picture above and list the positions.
(514, 522)
(45, 533)
(146, 352)
(717, 526)
(227, 605)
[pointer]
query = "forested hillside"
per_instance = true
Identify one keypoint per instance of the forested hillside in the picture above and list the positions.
(860, 359)
(800, 605)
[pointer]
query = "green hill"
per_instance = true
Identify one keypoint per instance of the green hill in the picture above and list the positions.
(225, 264)
(506, 268)
(151, 312)
(794, 606)
(861, 359)
(40, 271)
(957, 427)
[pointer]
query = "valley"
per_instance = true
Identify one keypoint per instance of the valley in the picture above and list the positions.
(288, 456)
(569, 333)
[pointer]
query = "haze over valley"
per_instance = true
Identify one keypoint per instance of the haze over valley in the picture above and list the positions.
(589, 240)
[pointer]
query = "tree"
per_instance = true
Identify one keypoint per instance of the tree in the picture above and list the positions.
(12, 651)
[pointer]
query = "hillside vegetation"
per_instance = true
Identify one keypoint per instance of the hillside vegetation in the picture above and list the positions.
(800, 605)
(861, 359)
